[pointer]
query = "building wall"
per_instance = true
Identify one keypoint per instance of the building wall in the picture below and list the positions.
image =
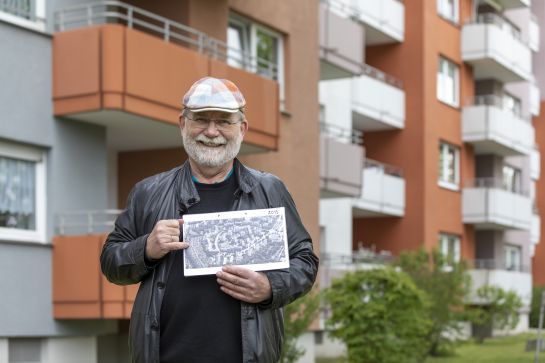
(416, 147)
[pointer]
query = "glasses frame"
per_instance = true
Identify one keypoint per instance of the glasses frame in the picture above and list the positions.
(224, 125)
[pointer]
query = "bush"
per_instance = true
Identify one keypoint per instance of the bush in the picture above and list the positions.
(496, 309)
(380, 315)
(446, 283)
(297, 317)
(537, 291)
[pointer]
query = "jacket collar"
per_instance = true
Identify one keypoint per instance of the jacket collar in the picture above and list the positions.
(189, 195)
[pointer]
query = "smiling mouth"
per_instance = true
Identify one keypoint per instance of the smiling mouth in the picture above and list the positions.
(210, 144)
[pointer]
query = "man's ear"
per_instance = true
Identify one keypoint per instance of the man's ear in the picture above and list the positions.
(244, 127)
(181, 121)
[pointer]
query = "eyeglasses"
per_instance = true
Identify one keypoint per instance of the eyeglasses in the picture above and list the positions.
(222, 124)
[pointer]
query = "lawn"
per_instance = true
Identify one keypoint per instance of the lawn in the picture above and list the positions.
(497, 350)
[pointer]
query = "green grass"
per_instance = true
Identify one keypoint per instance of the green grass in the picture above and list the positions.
(497, 350)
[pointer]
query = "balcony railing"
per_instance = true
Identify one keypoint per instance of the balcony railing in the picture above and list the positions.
(497, 101)
(351, 136)
(500, 21)
(386, 168)
(87, 222)
(493, 264)
(105, 12)
(25, 9)
(495, 183)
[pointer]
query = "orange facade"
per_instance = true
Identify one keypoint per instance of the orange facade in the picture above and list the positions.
(416, 147)
(538, 261)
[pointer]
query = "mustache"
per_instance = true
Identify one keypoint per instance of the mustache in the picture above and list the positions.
(218, 140)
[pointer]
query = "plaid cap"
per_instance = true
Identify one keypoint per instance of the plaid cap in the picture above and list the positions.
(214, 94)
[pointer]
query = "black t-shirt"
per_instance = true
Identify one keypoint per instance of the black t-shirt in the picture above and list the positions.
(199, 322)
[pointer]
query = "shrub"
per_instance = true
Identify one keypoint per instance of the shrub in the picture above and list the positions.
(380, 315)
(446, 283)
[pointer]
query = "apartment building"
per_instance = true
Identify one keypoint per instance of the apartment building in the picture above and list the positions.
(434, 113)
(90, 99)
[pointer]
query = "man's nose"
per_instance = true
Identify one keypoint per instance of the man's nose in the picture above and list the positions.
(211, 129)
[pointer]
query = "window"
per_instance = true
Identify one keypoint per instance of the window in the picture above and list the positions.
(24, 350)
(448, 82)
(449, 245)
(26, 13)
(513, 258)
(256, 48)
(22, 193)
(511, 179)
(449, 166)
(448, 9)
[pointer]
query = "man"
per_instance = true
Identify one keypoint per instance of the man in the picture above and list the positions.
(235, 316)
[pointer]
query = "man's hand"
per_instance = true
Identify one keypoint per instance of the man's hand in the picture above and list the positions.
(244, 284)
(164, 238)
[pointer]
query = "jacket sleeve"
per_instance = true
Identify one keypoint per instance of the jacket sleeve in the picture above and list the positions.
(289, 284)
(123, 256)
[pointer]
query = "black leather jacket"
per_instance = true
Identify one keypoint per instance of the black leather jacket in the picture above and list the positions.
(168, 196)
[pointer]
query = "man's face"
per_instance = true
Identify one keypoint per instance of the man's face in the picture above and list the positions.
(212, 138)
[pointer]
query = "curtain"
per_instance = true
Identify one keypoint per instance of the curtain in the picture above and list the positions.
(17, 193)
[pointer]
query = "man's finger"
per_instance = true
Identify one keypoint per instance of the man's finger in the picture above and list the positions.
(174, 223)
(176, 246)
(238, 270)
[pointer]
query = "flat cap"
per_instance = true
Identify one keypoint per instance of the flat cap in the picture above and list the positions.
(214, 94)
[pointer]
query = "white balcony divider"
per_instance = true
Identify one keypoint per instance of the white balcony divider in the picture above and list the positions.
(383, 192)
(495, 48)
(529, 95)
(535, 230)
(533, 33)
(535, 99)
(494, 129)
(384, 19)
(487, 204)
(535, 163)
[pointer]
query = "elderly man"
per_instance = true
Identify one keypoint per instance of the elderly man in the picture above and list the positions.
(235, 316)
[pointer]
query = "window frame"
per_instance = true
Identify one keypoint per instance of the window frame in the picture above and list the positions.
(439, 84)
(21, 152)
(456, 16)
(506, 249)
(37, 25)
(445, 183)
(444, 240)
(252, 28)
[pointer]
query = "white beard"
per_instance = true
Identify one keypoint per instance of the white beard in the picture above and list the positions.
(211, 156)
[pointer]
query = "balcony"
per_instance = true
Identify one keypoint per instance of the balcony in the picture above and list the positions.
(488, 204)
(493, 46)
(80, 291)
(535, 163)
(383, 192)
(130, 76)
(493, 129)
(341, 160)
(376, 100)
(384, 20)
(341, 45)
(495, 273)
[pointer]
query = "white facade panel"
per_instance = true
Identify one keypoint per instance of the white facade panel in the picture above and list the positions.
(496, 208)
(70, 350)
(535, 230)
(379, 105)
(495, 130)
(535, 164)
(519, 282)
(336, 219)
(496, 53)
(335, 97)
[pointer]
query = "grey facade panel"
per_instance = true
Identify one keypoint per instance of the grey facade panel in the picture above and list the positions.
(26, 302)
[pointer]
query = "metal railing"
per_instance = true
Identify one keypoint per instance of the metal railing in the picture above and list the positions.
(340, 133)
(497, 101)
(117, 12)
(495, 183)
(386, 168)
(500, 21)
(351, 11)
(25, 9)
(92, 221)
(493, 264)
